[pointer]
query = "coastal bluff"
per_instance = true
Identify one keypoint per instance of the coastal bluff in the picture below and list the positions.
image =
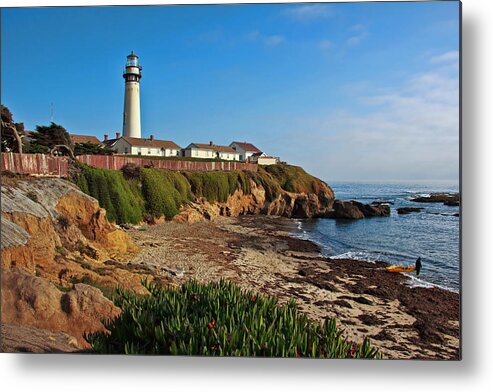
(54, 239)
(257, 202)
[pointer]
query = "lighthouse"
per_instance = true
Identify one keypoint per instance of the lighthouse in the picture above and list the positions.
(131, 110)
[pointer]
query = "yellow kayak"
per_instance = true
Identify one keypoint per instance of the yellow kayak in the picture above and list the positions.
(397, 268)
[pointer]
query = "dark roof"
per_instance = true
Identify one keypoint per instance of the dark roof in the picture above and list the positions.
(109, 142)
(84, 139)
(139, 142)
(212, 147)
(257, 154)
(246, 146)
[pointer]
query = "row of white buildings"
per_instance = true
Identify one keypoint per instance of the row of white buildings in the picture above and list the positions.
(151, 147)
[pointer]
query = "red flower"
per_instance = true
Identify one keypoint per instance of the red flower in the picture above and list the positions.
(253, 298)
(212, 323)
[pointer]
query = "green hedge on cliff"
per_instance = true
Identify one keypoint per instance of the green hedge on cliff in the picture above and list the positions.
(155, 192)
(122, 202)
(291, 178)
(130, 194)
(164, 192)
(217, 186)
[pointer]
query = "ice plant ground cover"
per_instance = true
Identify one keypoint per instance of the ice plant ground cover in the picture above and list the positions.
(219, 319)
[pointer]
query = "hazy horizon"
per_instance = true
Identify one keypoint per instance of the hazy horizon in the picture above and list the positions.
(348, 91)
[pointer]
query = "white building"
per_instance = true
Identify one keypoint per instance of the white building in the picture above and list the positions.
(246, 150)
(261, 159)
(145, 147)
(211, 151)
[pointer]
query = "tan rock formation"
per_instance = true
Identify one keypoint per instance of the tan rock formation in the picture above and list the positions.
(20, 338)
(53, 238)
(30, 300)
(287, 204)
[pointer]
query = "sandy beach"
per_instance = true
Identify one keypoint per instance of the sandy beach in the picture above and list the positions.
(258, 253)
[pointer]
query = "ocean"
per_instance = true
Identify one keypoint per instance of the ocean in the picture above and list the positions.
(432, 234)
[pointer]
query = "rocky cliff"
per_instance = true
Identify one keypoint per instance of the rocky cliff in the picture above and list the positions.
(56, 249)
(287, 204)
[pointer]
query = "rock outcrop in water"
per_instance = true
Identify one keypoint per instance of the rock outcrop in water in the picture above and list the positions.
(408, 210)
(351, 209)
(447, 199)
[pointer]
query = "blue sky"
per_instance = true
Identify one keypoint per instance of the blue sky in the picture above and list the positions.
(350, 91)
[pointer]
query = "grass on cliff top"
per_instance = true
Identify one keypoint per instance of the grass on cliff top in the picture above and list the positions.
(219, 319)
(292, 178)
(164, 192)
(155, 192)
(122, 201)
(159, 192)
(217, 186)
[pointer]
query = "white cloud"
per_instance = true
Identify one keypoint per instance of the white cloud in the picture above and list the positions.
(269, 40)
(308, 13)
(407, 132)
(274, 40)
(326, 44)
(452, 56)
(360, 34)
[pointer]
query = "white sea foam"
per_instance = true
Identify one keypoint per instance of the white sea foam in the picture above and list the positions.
(414, 281)
(362, 256)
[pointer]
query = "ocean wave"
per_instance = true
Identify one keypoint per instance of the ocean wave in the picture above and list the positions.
(414, 281)
(356, 255)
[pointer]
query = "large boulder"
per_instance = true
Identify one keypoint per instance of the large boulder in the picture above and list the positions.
(449, 199)
(352, 209)
(34, 301)
(22, 338)
(371, 210)
(345, 209)
(408, 210)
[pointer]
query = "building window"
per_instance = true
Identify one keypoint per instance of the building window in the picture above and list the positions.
(126, 150)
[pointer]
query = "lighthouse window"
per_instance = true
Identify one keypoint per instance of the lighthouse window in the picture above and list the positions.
(132, 62)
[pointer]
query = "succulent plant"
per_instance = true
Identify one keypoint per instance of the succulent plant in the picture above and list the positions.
(219, 319)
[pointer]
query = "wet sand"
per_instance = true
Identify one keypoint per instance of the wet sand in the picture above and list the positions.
(258, 253)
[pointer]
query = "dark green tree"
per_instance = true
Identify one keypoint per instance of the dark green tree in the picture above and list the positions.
(13, 134)
(91, 149)
(47, 137)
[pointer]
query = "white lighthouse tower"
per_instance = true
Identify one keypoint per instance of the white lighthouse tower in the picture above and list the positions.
(131, 113)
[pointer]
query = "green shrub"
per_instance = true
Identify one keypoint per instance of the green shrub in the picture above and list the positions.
(219, 319)
(292, 178)
(129, 194)
(164, 192)
(217, 186)
(114, 193)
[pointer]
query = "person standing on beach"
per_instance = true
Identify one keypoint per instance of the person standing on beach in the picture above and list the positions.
(418, 265)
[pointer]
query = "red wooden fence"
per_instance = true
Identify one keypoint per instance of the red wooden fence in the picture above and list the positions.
(35, 164)
(49, 166)
(116, 162)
